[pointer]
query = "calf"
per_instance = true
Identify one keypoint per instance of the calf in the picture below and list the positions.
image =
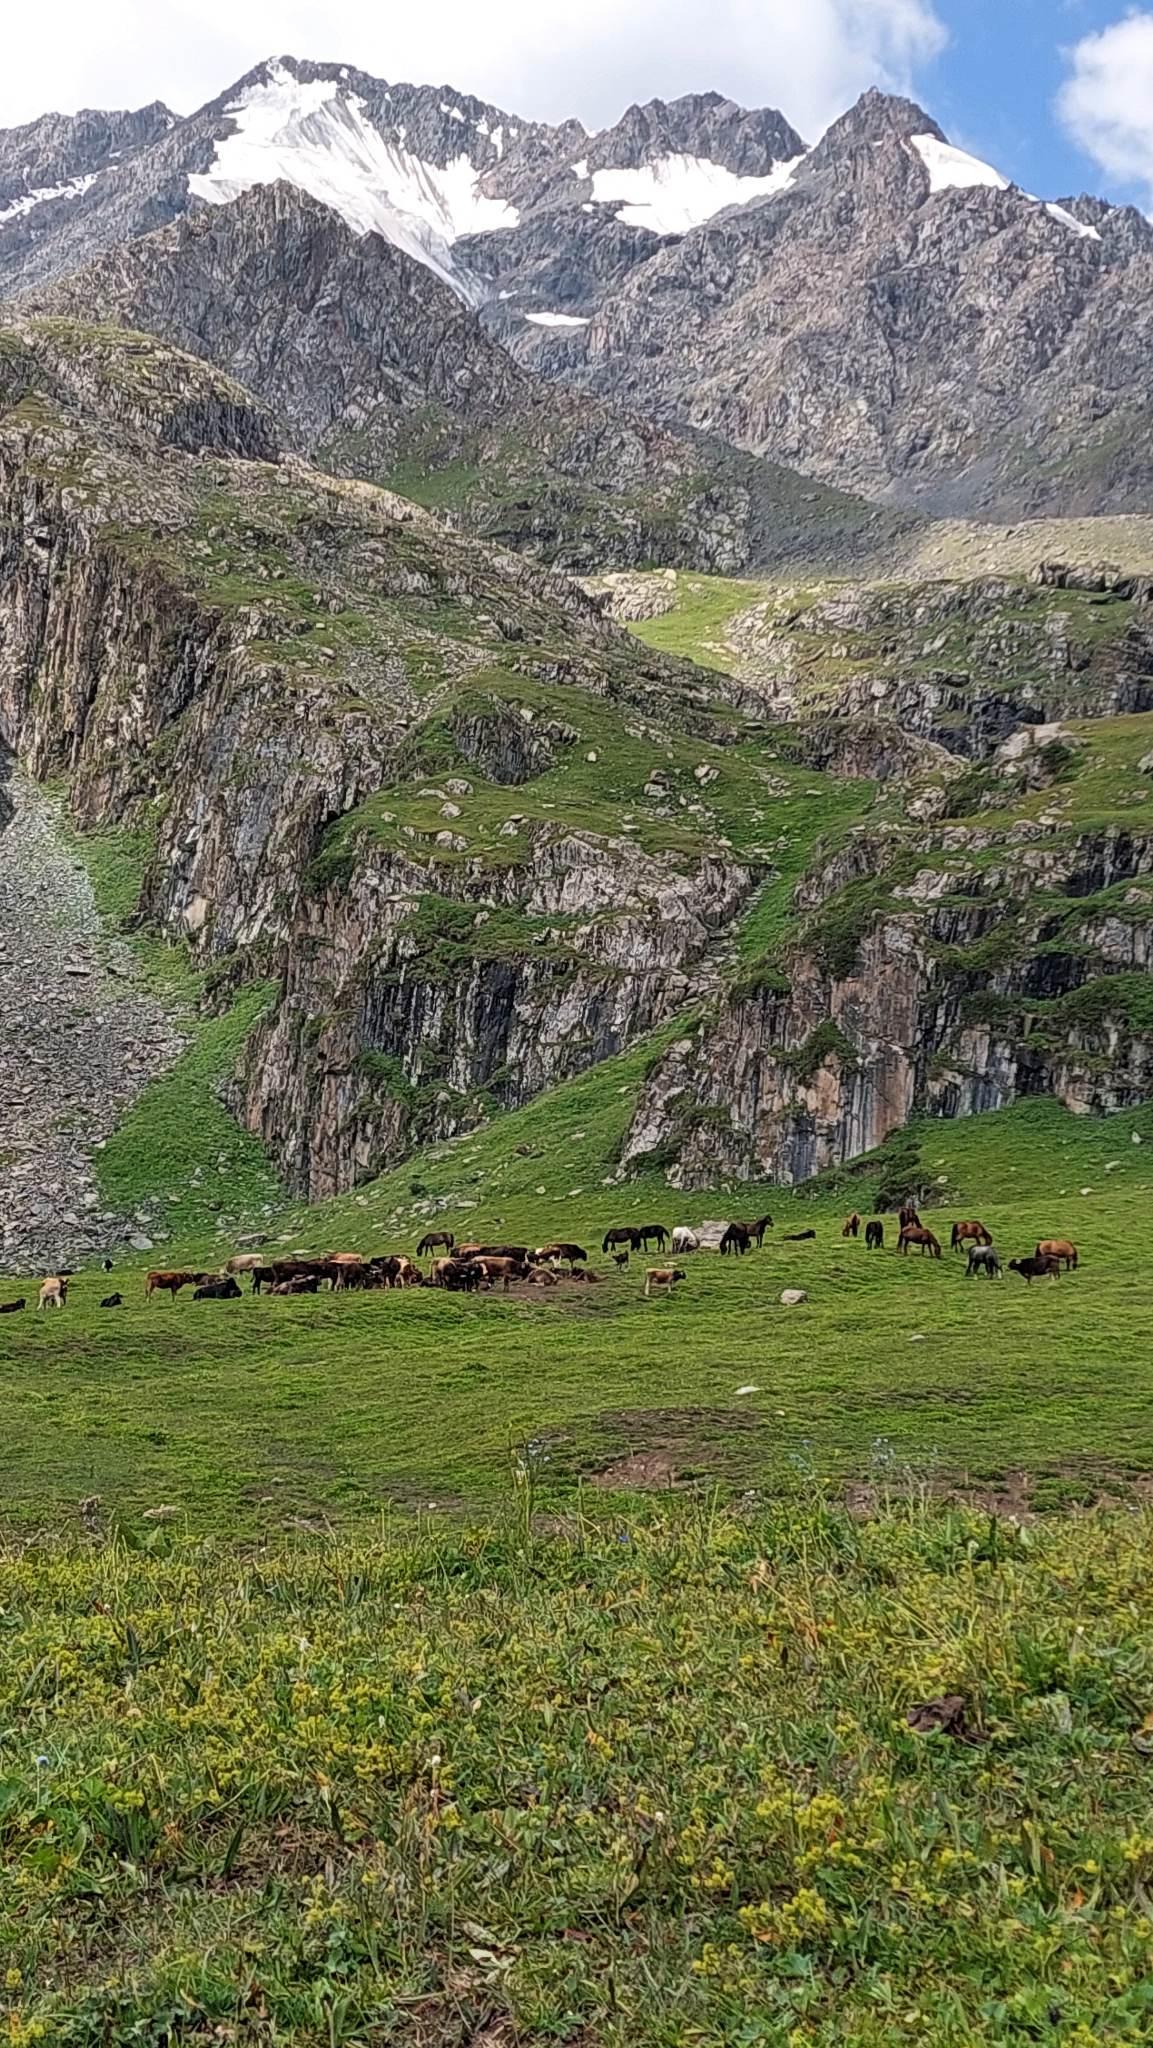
(1035, 1269)
(661, 1279)
(54, 1292)
(874, 1237)
(12, 1308)
(113, 1301)
(219, 1289)
(620, 1261)
(983, 1259)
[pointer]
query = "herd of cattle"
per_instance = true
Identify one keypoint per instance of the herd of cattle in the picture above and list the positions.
(472, 1268)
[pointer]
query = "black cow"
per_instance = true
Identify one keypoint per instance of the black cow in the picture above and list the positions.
(218, 1290)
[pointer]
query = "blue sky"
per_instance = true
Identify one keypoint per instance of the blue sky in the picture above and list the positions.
(994, 86)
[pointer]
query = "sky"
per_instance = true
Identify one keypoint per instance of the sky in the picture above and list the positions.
(1057, 93)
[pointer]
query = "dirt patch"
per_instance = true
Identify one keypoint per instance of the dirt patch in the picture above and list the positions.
(668, 1447)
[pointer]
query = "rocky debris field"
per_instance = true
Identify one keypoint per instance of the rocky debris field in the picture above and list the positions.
(79, 1039)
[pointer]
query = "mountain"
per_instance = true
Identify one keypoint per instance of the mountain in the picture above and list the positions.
(882, 312)
(375, 368)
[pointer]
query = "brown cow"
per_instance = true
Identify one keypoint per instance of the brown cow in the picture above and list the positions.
(170, 1283)
(852, 1226)
(662, 1279)
(503, 1268)
(554, 1254)
(914, 1233)
(459, 1276)
(969, 1233)
(1058, 1248)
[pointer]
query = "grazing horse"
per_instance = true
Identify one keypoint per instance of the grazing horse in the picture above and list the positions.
(970, 1233)
(983, 1259)
(433, 1239)
(685, 1240)
(625, 1235)
(852, 1226)
(874, 1237)
(914, 1233)
(1058, 1248)
(908, 1215)
(654, 1233)
(735, 1240)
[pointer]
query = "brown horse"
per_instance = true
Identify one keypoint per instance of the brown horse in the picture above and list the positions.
(1061, 1249)
(969, 1233)
(852, 1226)
(908, 1214)
(914, 1233)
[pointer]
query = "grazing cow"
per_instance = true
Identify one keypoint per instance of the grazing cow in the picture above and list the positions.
(242, 1262)
(685, 1240)
(851, 1226)
(652, 1233)
(907, 1215)
(874, 1236)
(557, 1254)
(970, 1233)
(623, 1234)
(113, 1301)
(54, 1292)
(983, 1259)
(458, 1276)
(1036, 1268)
(434, 1240)
(12, 1308)
(223, 1288)
(915, 1233)
(661, 1279)
(1058, 1248)
(798, 1236)
(170, 1283)
(620, 1261)
(408, 1274)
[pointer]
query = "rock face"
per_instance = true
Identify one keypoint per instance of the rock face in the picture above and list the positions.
(976, 980)
(250, 663)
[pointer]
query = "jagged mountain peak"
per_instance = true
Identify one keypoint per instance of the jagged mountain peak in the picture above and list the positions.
(875, 117)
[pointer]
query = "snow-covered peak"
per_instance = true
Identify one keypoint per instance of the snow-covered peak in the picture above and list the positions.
(316, 134)
(675, 193)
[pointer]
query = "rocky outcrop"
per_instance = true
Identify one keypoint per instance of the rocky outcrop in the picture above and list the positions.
(984, 984)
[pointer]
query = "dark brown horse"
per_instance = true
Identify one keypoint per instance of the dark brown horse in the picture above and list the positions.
(852, 1226)
(433, 1239)
(914, 1233)
(625, 1234)
(908, 1214)
(875, 1237)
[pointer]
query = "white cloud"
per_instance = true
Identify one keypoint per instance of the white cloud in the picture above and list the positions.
(542, 58)
(1106, 103)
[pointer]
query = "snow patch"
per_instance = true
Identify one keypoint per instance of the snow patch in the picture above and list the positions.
(1069, 220)
(675, 193)
(555, 319)
(951, 168)
(320, 139)
(454, 113)
(28, 200)
(580, 170)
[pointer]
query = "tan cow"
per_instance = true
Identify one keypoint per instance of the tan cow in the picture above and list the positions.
(54, 1293)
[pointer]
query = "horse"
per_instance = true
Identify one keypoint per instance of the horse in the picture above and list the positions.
(654, 1231)
(874, 1237)
(1058, 1248)
(914, 1233)
(433, 1239)
(908, 1214)
(970, 1233)
(983, 1259)
(623, 1234)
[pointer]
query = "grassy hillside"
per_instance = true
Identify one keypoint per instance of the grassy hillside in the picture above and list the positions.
(643, 1778)
(248, 1415)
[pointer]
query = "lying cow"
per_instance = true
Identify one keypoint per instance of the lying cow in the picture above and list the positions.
(12, 1308)
(113, 1301)
(661, 1280)
(220, 1289)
